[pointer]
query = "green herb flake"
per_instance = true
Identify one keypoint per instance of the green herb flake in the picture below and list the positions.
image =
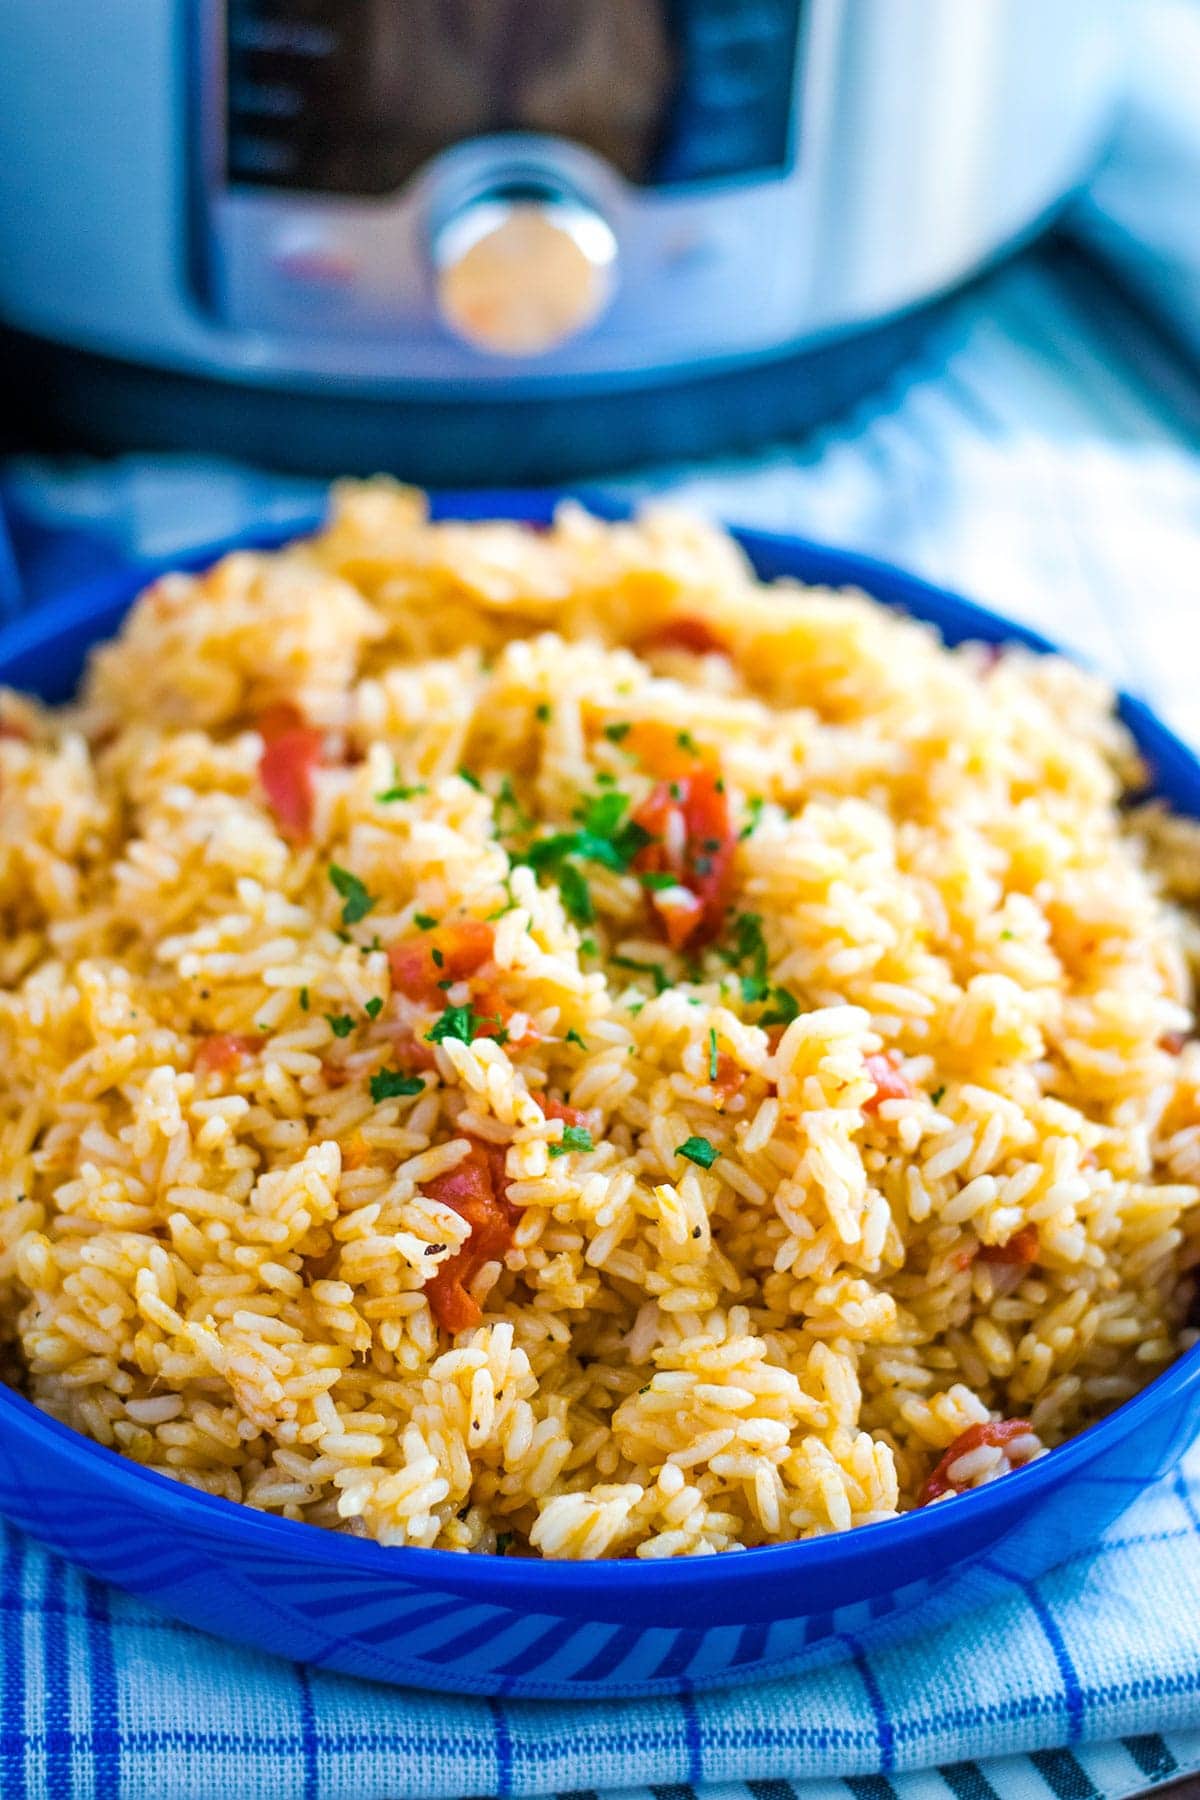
(658, 884)
(658, 974)
(576, 895)
(573, 1037)
(938, 1095)
(373, 1008)
(470, 779)
(341, 1024)
(618, 732)
(754, 810)
(460, 1022)
(424, 921)
(303, 999)
(357, 901)
(712, 1053)
(1008, 936)
(686, 741)
(574, 1137)
(439, 959)
(394, 1084)
(503, 1540)
(587, 946)
(545, 712)
(698, 1150)
(783, 1008)
(400, 792)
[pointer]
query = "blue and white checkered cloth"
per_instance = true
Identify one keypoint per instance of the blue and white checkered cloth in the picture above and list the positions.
(1094, 1674)
(1040, 458)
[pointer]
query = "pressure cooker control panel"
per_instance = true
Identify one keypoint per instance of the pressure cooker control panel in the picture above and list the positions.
(501, 175)
(329, 98)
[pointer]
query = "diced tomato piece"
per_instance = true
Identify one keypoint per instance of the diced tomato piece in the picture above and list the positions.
(495, 1016)
(225, 1051)
(336, 1074)
(891, 1083)
(476, 1191)
(9, 728)
(558, 1109)
(413, 1055)
(692, 839)
(1000, 1432)
(730, 1079)
(452, 952)
(1172, 1042)
(685, 633)
(1021, 1249)
(291, 753)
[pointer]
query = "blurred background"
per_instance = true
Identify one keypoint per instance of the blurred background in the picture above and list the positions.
(917, 276)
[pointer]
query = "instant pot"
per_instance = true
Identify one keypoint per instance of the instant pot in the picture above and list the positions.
(509, 239)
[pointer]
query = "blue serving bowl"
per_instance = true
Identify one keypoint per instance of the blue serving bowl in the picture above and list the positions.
(484, 1624)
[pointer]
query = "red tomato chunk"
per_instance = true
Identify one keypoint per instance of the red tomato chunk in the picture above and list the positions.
(695, 635)
(451, 952)
(730, 1079)
(693, 840)
(224, 1052)
(558, 1109)
(1000, 1432)
(476, 1191)
(891, 1083)
(1020, 1249)
(291, 754)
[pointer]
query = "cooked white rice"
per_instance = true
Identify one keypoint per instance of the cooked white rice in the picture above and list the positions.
(216, 1255)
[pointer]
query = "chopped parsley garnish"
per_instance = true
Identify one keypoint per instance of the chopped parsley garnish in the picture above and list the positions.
(686, 741)
(357, 901)
(424, 921)
(545, 712)
(573, 1037)
(401, 792)
(587, 946)
(698, 1150)
(373, 1008)
(394, 1084)
(303, 999)
(617, 732)
(749, 945)
(574, 1137)
(655, 970)
(754, 807)
(576, 895)
(605, 836)
(658, 884)
(712, 1053)
(506, 801)
(938, 1095)
(341, 1024)
(470, 779)
(462, 1023)
(783, 1009)
(1008, 935)
(503, 1540)
(438, 956)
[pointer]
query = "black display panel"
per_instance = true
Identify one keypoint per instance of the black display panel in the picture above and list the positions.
(354, 96)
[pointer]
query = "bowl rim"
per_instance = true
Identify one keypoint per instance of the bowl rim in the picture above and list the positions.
(76, 612)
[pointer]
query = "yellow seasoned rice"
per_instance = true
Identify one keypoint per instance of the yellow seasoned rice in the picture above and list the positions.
(221, 1272)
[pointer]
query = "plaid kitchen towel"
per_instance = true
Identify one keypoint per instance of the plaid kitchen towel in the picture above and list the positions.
(1041, 459)
(101, 1697)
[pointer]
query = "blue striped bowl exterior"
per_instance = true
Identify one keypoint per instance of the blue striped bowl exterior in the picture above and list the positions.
(492, 1625)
